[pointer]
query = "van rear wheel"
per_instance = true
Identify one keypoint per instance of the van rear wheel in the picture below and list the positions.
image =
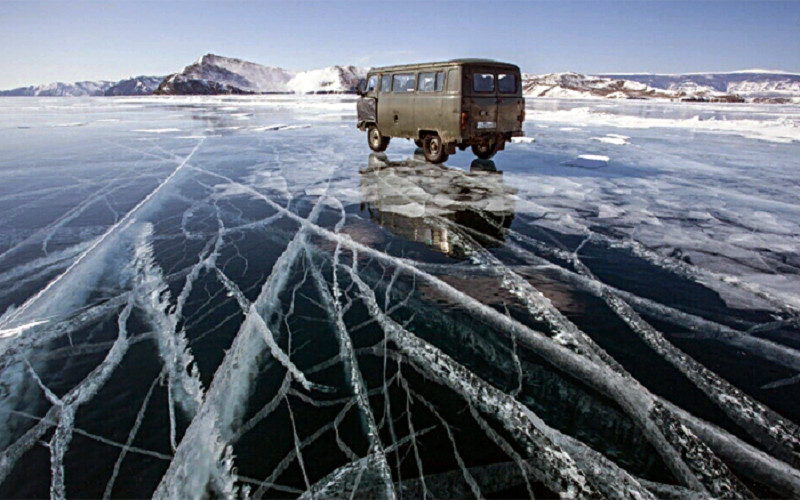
(486, 150)
(434, 149)
(376, 141)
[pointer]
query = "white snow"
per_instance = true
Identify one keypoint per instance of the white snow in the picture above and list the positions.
(612, 139)
(783, 130)
(588, 161)
(523, 140)
(157, 130)
(594, 157)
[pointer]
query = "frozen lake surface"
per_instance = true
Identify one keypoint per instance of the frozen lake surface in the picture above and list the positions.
(231, 297)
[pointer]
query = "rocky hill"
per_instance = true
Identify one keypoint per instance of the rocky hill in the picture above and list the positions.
(213, 74)
(59, 89)
(139, 85)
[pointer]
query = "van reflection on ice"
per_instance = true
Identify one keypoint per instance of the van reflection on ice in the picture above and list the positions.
(425, 203)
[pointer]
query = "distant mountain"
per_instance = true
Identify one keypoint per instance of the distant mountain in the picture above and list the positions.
(139, 85)
(753, 85)
(213, 74)
(575, 85)
(59, 89)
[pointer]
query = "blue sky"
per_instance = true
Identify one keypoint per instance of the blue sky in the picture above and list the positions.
(59, 40)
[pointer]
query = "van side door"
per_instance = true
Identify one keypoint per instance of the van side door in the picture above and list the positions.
(385, 122)
(399, 111)
(428, 102)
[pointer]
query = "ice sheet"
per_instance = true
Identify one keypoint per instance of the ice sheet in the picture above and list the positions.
(232, 296)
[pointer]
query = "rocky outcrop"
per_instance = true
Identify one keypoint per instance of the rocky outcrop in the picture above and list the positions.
(178, 84)
(138, 85)
(213, 74)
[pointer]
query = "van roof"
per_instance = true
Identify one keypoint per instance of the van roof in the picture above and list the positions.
(452, 62)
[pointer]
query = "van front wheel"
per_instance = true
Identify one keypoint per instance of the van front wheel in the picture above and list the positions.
(377, 142)
(485, 151)
(434, 149)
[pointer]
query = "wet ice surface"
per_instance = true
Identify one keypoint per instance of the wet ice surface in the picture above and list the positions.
(232, 297)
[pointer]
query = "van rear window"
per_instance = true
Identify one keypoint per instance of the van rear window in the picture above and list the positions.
(404, 83)
(507, 83)
(483, 82)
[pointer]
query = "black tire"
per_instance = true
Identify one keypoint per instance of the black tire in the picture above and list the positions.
(376, 141)
(418, 142)
(434, 149)
(485, 151)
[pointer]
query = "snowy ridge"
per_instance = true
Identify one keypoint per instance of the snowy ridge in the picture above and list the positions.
(575, 85)
(59, 89)
(135, 85)
(213, 74)
(758, 85)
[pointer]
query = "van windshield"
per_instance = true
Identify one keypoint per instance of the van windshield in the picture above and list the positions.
(483, 82)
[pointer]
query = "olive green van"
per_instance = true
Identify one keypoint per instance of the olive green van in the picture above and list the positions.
(443, 106)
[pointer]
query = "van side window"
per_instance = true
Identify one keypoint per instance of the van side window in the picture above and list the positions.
(483, 82)
(507, 83)
(452, 80)
(386, 83)
(439, 81)
(404, 83)
(426, 82)
(372, 83)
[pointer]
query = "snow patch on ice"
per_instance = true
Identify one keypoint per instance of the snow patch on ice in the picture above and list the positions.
(782, 130)
(618, 140)
(588, 161)
(157, 130)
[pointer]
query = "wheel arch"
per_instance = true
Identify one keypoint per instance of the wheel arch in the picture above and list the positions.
(422, 133)
(364, 125)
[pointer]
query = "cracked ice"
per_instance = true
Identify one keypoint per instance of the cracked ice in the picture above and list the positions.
(193, 305)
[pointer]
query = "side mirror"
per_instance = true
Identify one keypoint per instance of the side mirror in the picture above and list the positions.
(361, 89)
